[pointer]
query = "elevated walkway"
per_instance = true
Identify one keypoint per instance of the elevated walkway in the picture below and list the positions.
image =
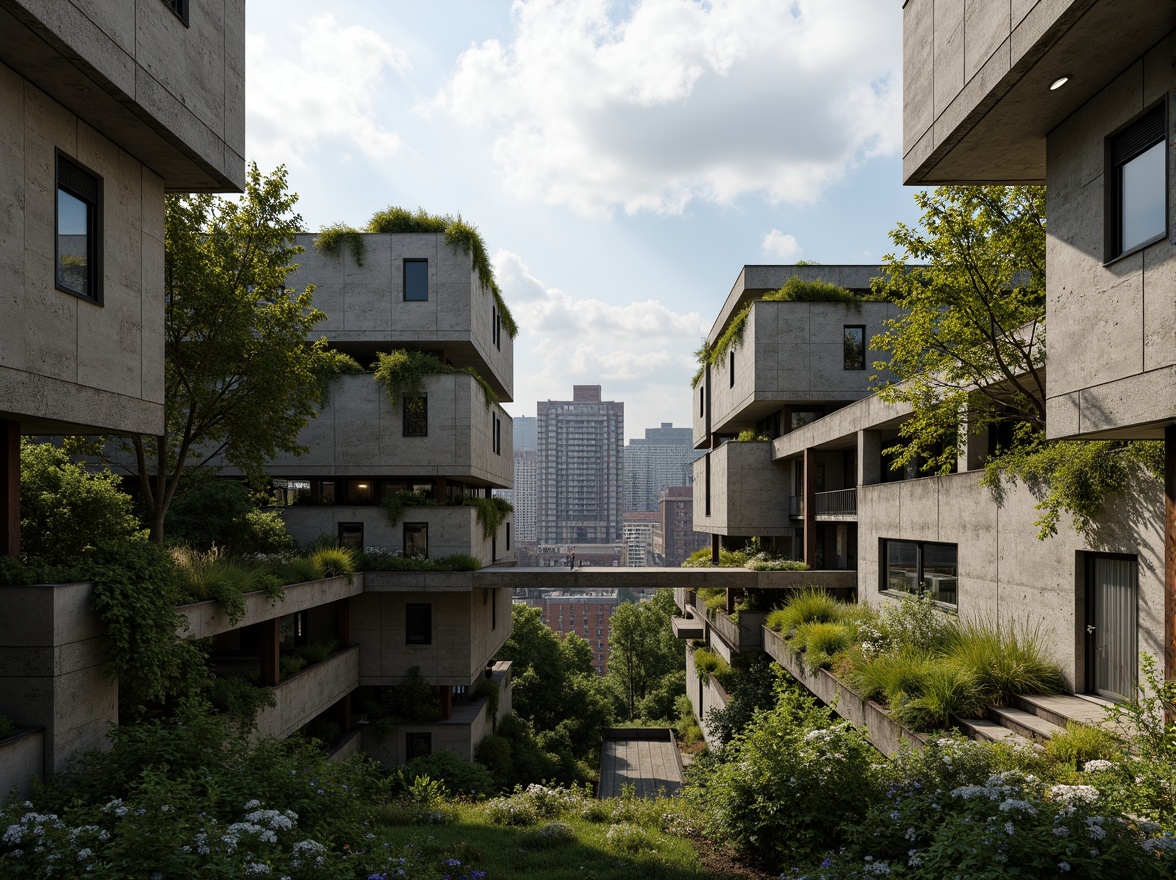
(645, 757)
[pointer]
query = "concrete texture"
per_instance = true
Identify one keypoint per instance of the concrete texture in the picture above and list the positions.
(22, 760)
(749, 493)
(70, 365)
(168, 93)
(977, 106)
(705, 693)
(310, 692)
(207, 619)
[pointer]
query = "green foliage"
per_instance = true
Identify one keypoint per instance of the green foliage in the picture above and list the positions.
(402, 371)
(642, 652)
(395, 505)
(1005, 660)
(945, 690)
(212, 575)
(820, 641)
(458, 235)
(66, 509)
(239, 701)
(223, 513)
(488, 688)
(334, 561)
(752, 685)
(1075, 477)
(458, 775)
(750, 436)
(241, 379)
(708, 663)
(789, 785)
(727, 558)
(968, 346)
(491, 513)
(7, 728)
(378, 561)
(1080, 743)
(332, 239)
(810, 605)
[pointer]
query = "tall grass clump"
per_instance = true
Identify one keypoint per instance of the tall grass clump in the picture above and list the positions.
(892, 677)
(1006, 659)
(821, 641)
(1080, 743)
(945, 690)
(210, 574)
(810, 605)
(334, 561)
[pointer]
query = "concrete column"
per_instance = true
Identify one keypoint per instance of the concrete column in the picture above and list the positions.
(869, 458)
(1170, 551)
(440, 488)
(343, 714)
(271, 651)
(9, 488)
(810, 507)
(716, 546)
(973, 449)
(445, 698)
(343, 624)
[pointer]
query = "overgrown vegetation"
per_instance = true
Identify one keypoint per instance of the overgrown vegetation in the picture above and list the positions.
(491, 513)
(752, 556)
(402, 372)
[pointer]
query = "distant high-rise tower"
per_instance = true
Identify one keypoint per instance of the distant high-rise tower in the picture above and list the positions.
(663, 459)
(525, 493)
(580, 473)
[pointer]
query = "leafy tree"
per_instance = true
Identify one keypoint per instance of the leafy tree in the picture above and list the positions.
(224, 513)
(644, 657)
(968, 352)
(66, 509)
(241, 378)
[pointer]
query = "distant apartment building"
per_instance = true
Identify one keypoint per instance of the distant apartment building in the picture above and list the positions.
(580, 473)
(583, 612)
(663, 458)
(524, 496)
(674, 539)
(640, 528)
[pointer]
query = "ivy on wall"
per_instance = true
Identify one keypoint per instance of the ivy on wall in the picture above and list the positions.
(401, 371)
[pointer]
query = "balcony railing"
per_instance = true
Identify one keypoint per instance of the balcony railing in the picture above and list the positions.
(839, 502)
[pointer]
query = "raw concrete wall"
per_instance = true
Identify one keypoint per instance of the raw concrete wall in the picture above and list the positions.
(365, 304)
(1126, 308)
(207, 619)
(51, 669)
(309, 693)
(1005, 573)
(361, 433)
(68, 363)
(169, 92)
(749, 492)
(22, 760)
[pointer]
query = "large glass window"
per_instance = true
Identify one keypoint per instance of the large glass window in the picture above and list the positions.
(79, 222)
(418, 623)
(854, 345)
(416, 415)
(416, 280)
(1139, 182)
(919, 567)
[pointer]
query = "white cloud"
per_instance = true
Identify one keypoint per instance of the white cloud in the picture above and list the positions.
(781, 245)
(679, 101)
(641, 352)
(320, 89)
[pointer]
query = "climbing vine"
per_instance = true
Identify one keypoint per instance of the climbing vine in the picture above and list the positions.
(491, 513)
(395, 505)
(402, 372)
(332, 239)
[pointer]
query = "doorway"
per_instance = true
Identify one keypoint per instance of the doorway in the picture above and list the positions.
(1112, 615)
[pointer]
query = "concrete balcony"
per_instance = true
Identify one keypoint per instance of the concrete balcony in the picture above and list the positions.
(312, 691)
(367, 312)
(207, 619)
(840, 504)
(744, 633)
(360, 433)
(692, 626)
(748, 491)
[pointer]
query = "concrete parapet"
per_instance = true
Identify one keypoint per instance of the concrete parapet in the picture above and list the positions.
(312, 691)
(207, 619)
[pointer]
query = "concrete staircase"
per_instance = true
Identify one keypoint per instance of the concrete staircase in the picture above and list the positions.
(1035, 719)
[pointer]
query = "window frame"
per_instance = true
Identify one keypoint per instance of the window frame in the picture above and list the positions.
(920, 576)
(350, 528)
(418, 623)
(423, 400)
(180, 9)
(414, 741)
(419, 528)
(1116, 162)
(845, 329)
(415, 261)
(94, 226)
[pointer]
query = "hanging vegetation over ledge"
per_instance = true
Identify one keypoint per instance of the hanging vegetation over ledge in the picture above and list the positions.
(401, 501)
(458, 235)
(491, 513)
(794, 290)
(402, 372)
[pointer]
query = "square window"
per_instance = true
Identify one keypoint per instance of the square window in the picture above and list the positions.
(79, 231)
(922, 568)
(351, 535)
(854, 347)
(1139, 188)
(416, 415)
(416, 280)
(418, 623)
(416, 539)
(417, 745)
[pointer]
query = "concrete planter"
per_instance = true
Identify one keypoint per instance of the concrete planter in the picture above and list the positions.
(22, 759)
(744, 634)
(313, 690)
(887, 735)
(209, 619)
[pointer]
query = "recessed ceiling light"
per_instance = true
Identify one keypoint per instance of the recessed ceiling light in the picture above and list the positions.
(1059, 82)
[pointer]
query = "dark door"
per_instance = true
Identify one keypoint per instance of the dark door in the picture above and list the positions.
(1112, 597)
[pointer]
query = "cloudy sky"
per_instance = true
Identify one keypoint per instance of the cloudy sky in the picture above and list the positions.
(623, 160)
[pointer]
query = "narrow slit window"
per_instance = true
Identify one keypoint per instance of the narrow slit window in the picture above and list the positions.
(79, 228)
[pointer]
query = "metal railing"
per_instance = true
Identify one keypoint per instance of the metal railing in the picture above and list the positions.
(839, 502)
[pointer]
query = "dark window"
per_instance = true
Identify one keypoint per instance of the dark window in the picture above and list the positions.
(416, 539)
(802, 417)
(732, 382)
(351, 535)
(918, 568)
(707, 471)
(417, 745)
(1139, 182)
(494, 600)
(702, 402)
(496, 323)
(179, 7)
(508, 537)
(416, 280)
(855, 347)
(418, 623)
(79, 231)
(416, 415)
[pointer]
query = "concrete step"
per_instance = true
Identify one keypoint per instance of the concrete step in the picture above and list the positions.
(1024, 723)
(989, 731)
(1060, 708)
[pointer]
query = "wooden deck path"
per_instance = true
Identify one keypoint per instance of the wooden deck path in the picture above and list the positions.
(646, 758)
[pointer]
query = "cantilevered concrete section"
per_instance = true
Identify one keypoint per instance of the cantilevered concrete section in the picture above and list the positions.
(661, 578)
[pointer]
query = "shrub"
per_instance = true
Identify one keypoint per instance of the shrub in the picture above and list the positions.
(766, 562)
(820, 641)
(224, 513)
(892, 677)
(334, 561)
(317, 652)
(630, 840)
(707, 663)
(300, 569)
(458, 775)
(7, 728)
(810, 605)
(1005, 659)
(944, 690)
(1080, 743)
(915, 622)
